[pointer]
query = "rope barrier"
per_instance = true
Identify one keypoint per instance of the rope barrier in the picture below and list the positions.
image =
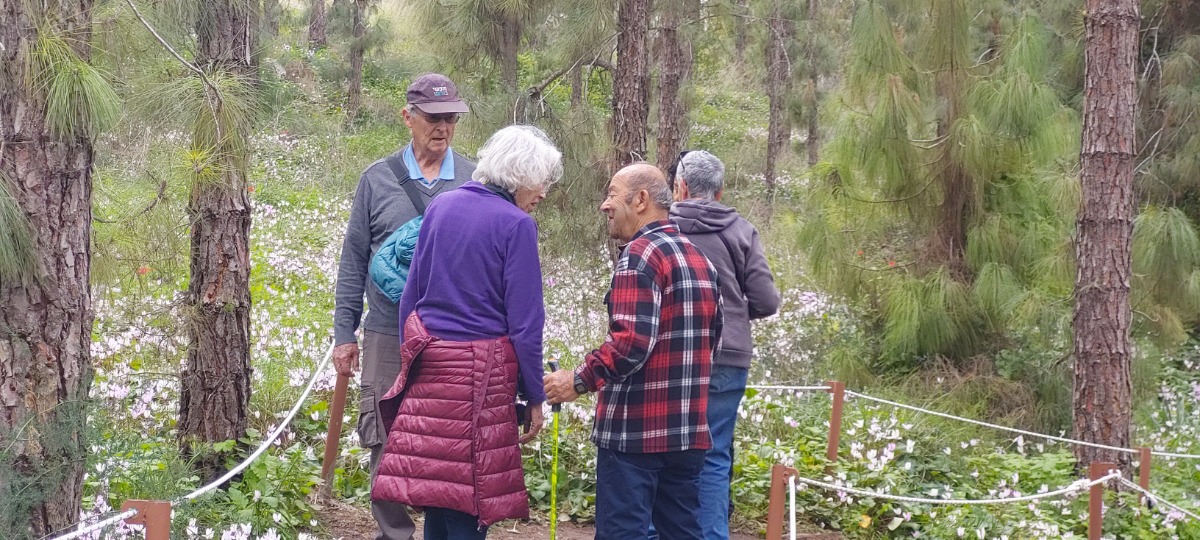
(1154, 498)
(1074, 487)
(232, 472)
(1171, 455)
(98, 525)
(266, 442)
(988, 425)
(795, 388)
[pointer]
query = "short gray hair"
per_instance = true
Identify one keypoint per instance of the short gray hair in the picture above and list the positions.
(519, 157)
(643, 175)
(703, 173)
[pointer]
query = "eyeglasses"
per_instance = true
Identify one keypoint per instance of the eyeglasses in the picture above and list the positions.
(449, 118)
(676, 169)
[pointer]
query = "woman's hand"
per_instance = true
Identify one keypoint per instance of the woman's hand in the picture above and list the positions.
(534, 418)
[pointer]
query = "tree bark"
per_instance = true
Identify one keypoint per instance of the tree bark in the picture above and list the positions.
(510, 42)
(813, 140)
(1104, 228)
(317, 24)
(216, 382)
(272, 10)
(576, 77)
(45, 318)
(740, 11)
(779, 76)
(674, 69)
(357, 50)
(630, 85)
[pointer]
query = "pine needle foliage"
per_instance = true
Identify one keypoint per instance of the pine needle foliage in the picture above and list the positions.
(219, 113)
(929, 142)
(1166, 267)
(79, 99)
(17, 256)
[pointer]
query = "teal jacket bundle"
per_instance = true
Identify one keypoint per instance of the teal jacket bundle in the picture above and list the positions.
(389, 267)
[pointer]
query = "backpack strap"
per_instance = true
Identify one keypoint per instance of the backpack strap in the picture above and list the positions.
(400, 171)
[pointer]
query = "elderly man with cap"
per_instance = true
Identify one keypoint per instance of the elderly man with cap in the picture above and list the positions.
(390, 193)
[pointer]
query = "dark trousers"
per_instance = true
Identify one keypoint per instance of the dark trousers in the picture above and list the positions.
(633, 490)
(446, 524)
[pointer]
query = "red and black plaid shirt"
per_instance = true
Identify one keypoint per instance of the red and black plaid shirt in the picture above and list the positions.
(664, 313)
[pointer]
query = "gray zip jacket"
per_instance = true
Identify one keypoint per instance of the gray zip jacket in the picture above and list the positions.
(748, 289)
(380, 207)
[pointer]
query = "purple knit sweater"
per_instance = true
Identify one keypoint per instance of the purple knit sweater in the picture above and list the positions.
(476, 275)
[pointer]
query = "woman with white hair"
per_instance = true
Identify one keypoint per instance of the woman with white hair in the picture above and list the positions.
(471, 319)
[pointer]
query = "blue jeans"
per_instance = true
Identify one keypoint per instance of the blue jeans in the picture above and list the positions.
(725, 391)
(633, 490)
(447, 524)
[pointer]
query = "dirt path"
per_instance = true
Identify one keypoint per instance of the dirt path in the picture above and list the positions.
(347, 522)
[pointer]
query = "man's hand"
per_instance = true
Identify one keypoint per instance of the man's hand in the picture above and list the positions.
(345, 359)
(534, 418)
(560, 386)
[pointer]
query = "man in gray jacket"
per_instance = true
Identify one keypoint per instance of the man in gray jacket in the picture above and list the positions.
(748, 292)
(391, 192)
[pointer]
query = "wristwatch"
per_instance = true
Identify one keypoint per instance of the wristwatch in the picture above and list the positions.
(580, 388)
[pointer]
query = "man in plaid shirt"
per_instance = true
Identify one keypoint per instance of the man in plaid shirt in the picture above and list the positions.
(652, 372)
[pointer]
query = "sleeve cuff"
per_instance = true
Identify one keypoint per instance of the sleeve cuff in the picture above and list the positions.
(344, 336)
(588, 376)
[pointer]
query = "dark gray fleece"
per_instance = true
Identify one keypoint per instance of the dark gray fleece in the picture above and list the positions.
(747, 287)
(380, 207)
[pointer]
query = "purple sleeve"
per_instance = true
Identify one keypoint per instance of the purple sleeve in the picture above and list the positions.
(524, 307)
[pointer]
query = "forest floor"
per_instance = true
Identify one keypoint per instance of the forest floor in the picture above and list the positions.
(349, 522)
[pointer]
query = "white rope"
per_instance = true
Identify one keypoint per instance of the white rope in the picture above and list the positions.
(1154, 498)
(792, 505)
(1079, 485)
(98, 525)
(269, 440)
(993, 426)
(796, 388)
(1174, 455)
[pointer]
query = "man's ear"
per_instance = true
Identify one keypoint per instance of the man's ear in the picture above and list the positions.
(641, 201)
(681, 190)
(720, 193)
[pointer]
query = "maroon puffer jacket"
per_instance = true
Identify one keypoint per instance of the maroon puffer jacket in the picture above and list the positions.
(453, 437)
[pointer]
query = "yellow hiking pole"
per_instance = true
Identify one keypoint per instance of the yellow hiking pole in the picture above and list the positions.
(554, 409)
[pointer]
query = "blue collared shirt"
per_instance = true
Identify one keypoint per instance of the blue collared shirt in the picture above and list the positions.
(414, 170)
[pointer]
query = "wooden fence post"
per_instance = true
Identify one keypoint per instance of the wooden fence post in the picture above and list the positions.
(1144, 470)
(838, 389)
(777, 499)
(333, 437)
(1096, 471)
(154, 515)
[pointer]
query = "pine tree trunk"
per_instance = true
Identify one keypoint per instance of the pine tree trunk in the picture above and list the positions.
(509, 49)
(316, 24)
(779, 76)
(630, 84)
(741, 8)
(576, 76)
(216, 382)
(272, 10)
(357, 50)
(947, 246)
(674, 69)
(1103, 389)
(45, 319)
(813, 141)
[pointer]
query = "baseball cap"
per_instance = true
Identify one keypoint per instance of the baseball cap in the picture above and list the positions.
(434, 93)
